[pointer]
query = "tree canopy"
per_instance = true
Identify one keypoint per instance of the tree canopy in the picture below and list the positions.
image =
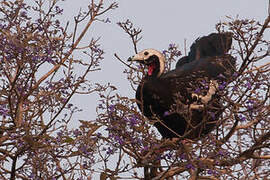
(39, 75)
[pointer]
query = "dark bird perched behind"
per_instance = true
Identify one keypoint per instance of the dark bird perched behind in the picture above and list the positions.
(185, 102)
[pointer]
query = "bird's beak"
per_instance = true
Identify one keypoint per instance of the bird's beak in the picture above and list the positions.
(136, 57)
(130, 58)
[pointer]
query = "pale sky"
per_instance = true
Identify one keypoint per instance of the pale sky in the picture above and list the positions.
(162, 22)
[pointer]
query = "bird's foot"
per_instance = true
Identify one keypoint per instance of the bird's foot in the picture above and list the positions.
(201, 100)
(195, 97)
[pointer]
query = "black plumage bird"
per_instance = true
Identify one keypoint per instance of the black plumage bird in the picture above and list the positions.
(185, 102)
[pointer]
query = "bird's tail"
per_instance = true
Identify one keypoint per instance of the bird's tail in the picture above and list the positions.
(215, 44)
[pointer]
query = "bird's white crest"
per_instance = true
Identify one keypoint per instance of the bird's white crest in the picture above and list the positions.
(145, 54)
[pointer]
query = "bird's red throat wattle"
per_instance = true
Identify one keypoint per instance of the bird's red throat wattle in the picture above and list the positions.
(151, 68)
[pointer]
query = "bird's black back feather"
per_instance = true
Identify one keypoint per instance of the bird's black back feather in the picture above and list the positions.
(211, 67)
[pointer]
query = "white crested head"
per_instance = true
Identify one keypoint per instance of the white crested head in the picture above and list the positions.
(146, 54)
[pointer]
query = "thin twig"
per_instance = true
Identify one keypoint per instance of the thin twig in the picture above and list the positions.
(124, 62)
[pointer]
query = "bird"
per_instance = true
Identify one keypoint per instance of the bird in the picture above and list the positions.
(186, 102)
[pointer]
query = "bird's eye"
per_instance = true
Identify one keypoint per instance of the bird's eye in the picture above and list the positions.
(146, 53)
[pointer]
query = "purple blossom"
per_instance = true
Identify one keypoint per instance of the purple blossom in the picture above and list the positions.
(235, 88)
(13, 135)
(210, 172)
(166, 113)
(158, 157)
(178, 53)
(198, 90)
(169, 155)
(58, 10)
(2, 26)
(59, 136)
(221, 153)
(60, 133)
(49, 52)
(190, 166)
(109, 151)
(69, 106)
(111, 108)
(85, 164)
(235, 74)
(222, 86)
(133, 120)
(171, 46)
(242, 118)
(98, 134)
(250, 101)
(250, 107)
(40, 28)
(24, 14)
(119, 140)
(257, 86)
(145, 148)
(57, 22)
(212, 114)
(83, 149)
(164, 52)
(35, 58)
(31, 176)
(64, 100)
(77, 132)
(48, 59)
(248, 85)
(221, 76)
(107, 20)
(183, 156)
(4, 111)
(137, 141)
(20, 144)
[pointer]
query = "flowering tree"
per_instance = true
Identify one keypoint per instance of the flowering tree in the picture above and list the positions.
(239, 148)
(40, 73)
(38, 77)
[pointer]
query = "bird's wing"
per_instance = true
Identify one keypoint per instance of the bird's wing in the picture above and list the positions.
(210, 67)
(197, 76)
